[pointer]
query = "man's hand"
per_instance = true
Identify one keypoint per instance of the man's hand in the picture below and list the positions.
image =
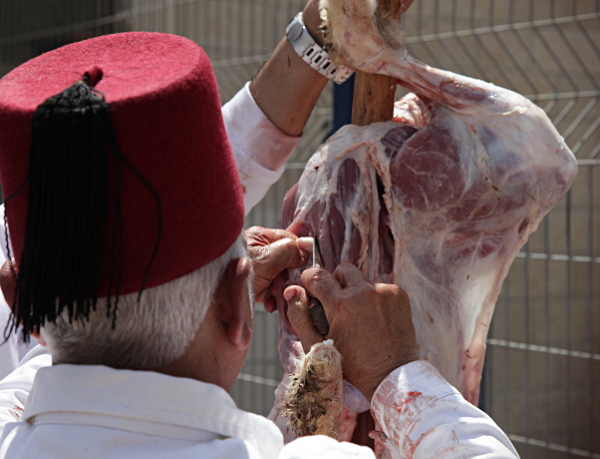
(370, 324)
(272, 251)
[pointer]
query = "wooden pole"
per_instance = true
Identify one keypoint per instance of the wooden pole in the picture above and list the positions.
(373, 101)
(374, 94)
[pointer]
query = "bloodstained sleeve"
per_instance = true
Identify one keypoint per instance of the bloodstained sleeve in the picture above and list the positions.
(423, 416)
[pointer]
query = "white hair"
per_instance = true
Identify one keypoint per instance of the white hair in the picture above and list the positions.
(148, 333)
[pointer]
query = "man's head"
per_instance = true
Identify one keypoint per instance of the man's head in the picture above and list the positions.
(149, 332)
(119, 181)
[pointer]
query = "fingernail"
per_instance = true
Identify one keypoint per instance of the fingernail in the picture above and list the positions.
(289, 294)
(306, 244)
(282, 241)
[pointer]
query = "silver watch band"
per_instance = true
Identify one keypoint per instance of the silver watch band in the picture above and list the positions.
(311, 53)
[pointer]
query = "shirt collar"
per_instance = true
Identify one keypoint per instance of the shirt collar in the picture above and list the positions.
(144, 402)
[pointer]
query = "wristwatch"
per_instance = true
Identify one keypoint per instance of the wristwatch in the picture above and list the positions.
(311, 53)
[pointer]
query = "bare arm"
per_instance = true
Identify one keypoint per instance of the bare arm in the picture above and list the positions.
(286, 77)
(265, 119)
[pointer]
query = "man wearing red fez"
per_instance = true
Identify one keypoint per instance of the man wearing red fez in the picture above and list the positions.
(125, 208)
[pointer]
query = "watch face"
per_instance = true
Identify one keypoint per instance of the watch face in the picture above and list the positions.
(294, 30)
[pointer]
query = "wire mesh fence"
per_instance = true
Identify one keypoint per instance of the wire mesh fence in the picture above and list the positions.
(542, 373)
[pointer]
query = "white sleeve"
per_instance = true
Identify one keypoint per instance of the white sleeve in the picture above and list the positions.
(423, 416)
(11, 350)
(320, 446)
(15, 388)
(249, 132)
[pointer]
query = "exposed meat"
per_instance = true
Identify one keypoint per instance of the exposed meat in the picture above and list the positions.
(438, 201)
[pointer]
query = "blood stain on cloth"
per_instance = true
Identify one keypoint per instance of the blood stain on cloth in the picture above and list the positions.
(411, 397)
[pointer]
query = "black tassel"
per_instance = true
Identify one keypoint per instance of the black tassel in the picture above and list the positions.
(66, 213)
(62, 259)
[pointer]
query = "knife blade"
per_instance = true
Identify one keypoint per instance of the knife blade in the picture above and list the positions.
(317, 313)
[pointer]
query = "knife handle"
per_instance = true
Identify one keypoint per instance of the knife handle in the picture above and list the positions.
(318, 316)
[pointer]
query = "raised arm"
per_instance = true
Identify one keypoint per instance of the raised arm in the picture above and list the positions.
(265, 119)
(286, 88)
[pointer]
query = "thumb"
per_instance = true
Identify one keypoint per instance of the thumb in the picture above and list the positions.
(300, 318)
(279, 255)
(323, 286)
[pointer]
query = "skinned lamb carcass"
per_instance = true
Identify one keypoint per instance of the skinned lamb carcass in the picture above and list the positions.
(438, 201)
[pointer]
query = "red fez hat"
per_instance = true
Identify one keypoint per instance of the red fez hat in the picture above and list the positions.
(169, 184)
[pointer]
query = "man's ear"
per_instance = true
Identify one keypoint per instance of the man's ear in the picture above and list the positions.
(8, 282)
(234, 311)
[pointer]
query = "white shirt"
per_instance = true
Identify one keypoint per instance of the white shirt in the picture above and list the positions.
(95, 411)
(76, 411)
(425, 417)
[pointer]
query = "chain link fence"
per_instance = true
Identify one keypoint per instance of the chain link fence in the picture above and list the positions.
(542, 373)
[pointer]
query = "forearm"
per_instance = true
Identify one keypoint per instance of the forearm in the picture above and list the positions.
(264, 122)
(286, 88)
(424, 416)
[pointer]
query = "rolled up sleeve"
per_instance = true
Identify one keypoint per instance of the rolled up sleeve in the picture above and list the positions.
(252, 135)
